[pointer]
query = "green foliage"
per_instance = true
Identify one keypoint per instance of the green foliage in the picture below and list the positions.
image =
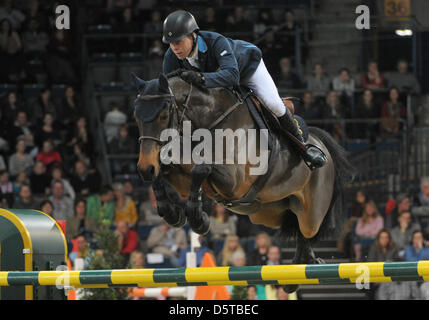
(239, 293)
(106, 257)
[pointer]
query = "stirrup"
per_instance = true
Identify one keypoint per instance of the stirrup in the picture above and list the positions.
(310, 165)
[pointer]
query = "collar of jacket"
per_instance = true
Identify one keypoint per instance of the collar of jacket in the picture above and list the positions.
(202, 46)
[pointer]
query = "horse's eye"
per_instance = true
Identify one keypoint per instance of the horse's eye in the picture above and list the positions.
(163, 117)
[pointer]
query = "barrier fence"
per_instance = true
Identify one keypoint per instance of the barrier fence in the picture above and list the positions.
(280, 274)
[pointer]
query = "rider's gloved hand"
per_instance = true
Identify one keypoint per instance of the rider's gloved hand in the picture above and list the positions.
(193, 77)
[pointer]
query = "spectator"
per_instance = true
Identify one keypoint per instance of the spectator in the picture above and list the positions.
(15, 16)
(154, 26)
(271, 51)
(402, 233)
(384, 248)
(287, 79)
(63, 205)
(252, 293)
(21, 179)
(221, 224)
(372, 79)
(403, 203)
(47, 207)
(273, 255)
(334, 110)
(44, 104)
(261, 25)
(47, 131)
(344, 243)
(238, 22)
(167, 241)
(125, 207)
(7, 195)
(82, 251)
(49, 156)
(127, 238)
(230, 246)
(79, 135)
(25, 200)
(59, 62)
(127, 24)
(80, 223)
(366, 230)
(71, 112)
(282, 295)
(366, 109)
(238, 259)
(148, 210)
(403, 80)
(20, 161)
(35, 40)
(308, 109)
(83, 181)
(10, 110)
(58, 174)
(21, 130)
(210, 22)
(39, 180)
(288, 32)
(101, 206)
(421, 201)
(318, 83)
(122, 144)
(10, 51)
(392, 111)
(79, 155)
(418, 249)
(259, 256)
(137, 259)
(344, 85)
(113, 120)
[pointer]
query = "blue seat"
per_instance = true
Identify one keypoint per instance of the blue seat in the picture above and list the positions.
(144, 231)
(31, 90)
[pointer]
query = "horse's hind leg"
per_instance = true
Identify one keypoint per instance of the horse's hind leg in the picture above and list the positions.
(304, 254)
(169, 205)
(199, 221)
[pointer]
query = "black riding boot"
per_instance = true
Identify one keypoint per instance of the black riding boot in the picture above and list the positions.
(312, 155)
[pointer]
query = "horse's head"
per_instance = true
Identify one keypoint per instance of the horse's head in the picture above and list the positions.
(153, 114)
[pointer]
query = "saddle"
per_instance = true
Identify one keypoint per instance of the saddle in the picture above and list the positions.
(264, 119)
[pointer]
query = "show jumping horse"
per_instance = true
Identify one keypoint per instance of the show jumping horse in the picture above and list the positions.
(304, 204)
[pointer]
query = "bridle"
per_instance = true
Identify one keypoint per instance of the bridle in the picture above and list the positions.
(173, 105)
(185, 105)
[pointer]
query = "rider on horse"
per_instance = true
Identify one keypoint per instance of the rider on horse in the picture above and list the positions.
(212, 60)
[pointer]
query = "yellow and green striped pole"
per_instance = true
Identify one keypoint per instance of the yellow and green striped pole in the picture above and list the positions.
(281, 274)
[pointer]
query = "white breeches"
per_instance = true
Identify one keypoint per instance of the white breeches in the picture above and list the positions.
(264, 87)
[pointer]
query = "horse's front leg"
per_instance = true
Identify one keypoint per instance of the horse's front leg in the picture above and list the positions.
(170, 206)
(199, 220)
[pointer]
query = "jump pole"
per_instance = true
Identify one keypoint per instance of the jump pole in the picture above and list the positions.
(280, 274)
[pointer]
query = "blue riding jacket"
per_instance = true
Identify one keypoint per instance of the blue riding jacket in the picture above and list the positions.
(224, 62)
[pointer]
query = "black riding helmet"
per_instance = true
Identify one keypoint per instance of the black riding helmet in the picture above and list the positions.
(177, 25)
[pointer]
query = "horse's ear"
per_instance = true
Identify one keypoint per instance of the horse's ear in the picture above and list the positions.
(137, 82)
(163, 84)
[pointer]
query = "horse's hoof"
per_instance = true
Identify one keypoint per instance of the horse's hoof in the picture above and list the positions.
(290, 288)
(175, 218)
(200, 225)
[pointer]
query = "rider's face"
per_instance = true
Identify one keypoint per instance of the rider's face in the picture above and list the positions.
(182, 48)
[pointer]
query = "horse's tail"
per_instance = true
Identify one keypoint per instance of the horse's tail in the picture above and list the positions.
(344, 173)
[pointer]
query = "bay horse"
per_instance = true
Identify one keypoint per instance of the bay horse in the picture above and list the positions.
(303, 204)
